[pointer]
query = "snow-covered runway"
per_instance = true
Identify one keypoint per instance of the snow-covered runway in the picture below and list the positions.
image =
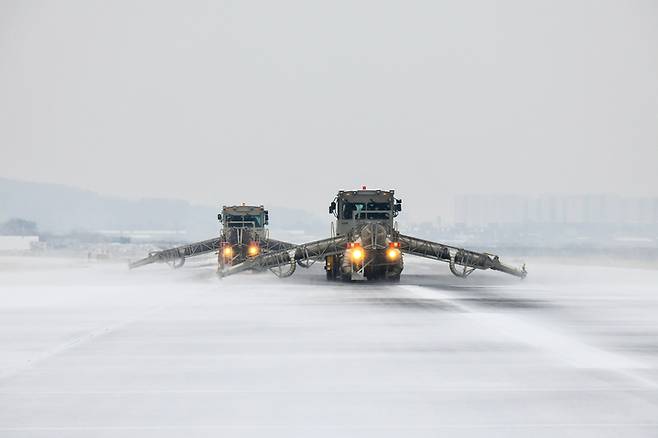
(96, 350)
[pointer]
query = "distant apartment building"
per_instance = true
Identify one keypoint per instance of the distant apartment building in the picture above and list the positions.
(480, 210)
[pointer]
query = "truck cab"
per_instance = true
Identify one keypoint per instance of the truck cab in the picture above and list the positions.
(354, 208)
(243, 232)
(244, 216)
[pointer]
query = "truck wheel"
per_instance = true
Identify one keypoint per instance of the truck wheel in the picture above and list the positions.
(330, 268)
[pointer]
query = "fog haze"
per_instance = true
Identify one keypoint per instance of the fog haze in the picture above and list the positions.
(286, 102)
(521, 135)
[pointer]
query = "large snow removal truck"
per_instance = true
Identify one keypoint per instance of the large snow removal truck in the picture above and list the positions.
(243, 236)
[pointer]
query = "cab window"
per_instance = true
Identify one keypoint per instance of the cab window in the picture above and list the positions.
(240, 221)
(362, 210)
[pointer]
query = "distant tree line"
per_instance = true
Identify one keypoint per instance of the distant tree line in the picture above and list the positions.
(18, 227)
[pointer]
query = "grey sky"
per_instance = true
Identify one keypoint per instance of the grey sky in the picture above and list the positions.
(284, 102)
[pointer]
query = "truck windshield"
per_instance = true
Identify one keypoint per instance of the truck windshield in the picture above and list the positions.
(239, 221)
(363, 210)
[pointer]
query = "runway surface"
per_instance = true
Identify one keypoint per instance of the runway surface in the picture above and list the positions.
(95, 350)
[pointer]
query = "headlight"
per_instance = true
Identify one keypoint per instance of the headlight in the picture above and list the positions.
(228, 252)
(357, 254)
(253, 250)
(393, 253)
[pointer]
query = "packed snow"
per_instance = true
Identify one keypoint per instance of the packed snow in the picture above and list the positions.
(92, 349)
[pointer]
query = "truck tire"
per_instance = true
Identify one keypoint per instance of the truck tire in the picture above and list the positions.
(394, 278)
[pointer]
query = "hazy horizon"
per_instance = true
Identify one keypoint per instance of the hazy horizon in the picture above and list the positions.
(285, 103)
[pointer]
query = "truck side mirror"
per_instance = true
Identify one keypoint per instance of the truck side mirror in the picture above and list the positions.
(332, 207)
(267, 217)
(219, 217)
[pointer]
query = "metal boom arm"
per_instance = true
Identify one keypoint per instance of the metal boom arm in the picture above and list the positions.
(308, 251)
(468, 260)
(178, 254)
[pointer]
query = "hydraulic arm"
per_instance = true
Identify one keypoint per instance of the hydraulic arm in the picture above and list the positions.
(176, 256)
(311, 251)
(462, 262)
(467, 260)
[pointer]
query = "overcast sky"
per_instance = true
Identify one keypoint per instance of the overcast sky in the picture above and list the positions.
(285, 102)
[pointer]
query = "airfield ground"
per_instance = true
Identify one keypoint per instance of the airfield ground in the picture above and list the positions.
(92, 349)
